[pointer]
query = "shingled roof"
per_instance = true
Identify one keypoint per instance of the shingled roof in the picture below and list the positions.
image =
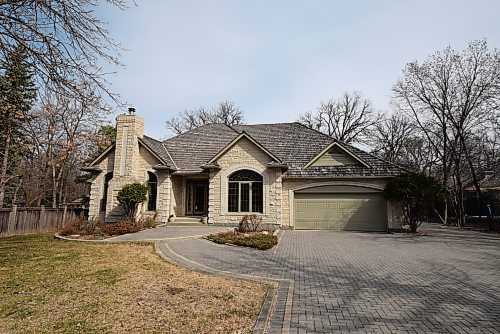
(195, 148)
(294, 144)
(488, 180)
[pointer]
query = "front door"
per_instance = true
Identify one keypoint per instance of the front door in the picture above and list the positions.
(196, 198)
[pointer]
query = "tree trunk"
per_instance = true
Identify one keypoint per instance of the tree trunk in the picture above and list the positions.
(54, 187)
(5, 164)
(14, 198)
(445, 216)
(445, 171)
(460, 202)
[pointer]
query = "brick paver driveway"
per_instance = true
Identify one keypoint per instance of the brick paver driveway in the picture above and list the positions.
(447, 282)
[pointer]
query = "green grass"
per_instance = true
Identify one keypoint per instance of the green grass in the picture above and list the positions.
(54, 286)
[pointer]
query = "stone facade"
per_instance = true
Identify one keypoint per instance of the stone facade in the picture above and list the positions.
(130, 161)
(244, 155)
(97, 185)
(178, 196)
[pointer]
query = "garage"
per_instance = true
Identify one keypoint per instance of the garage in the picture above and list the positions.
(340, 208)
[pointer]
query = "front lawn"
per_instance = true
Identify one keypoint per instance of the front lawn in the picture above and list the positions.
(52, 286)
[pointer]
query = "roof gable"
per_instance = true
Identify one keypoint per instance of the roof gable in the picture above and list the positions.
(152, 151)
(336, 154)
(193, 149)
(102, 155)
(292, 146)
(237, 139)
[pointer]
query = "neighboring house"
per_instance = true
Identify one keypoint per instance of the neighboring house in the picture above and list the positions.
(490, 189)
(290, 175)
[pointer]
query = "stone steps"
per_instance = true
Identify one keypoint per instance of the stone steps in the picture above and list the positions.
(187, 221)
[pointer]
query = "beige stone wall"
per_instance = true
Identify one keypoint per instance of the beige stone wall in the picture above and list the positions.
(130, 162)
(164, 196)
(145, 164)
(128, 129)
(177, 198)
(244, 155)
(97, 185)
(393, 211)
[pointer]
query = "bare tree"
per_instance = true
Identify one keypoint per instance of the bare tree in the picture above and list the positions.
(225, 112)
(65, 43)
(452, 96)
(348, 118)
(62, 134)
(391, 137)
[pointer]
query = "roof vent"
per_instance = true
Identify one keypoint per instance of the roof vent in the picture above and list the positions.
(131, 111)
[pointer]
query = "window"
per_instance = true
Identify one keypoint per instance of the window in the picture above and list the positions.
(152, 191)
(245, 192)
(104, 198)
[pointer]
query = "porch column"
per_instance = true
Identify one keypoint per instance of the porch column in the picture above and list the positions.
(163, 207)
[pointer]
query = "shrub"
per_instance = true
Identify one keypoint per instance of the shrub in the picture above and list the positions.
(260, 241)
(147, 222)
(120, 228)
(223, 237)
(254, 240)
(81, 226)
(249, 223)
(417, 193)
(130, 196)
(90, 226)
(70, 229)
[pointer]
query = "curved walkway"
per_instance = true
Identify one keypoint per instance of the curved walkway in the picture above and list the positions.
(326, 282)
(170, 232)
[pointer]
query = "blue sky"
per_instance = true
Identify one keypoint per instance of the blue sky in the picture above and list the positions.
(278, 59)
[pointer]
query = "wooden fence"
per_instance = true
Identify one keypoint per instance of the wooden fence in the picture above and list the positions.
(20, 220)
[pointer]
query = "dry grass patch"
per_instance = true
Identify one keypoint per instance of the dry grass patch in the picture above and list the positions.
(50, 286)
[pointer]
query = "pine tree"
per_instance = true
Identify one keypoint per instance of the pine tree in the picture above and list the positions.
(17, 97)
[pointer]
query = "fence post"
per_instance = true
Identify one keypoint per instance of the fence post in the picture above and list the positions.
(12, 219)
(64, 216)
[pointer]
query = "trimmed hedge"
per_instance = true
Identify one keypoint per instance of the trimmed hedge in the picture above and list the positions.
(259, 241)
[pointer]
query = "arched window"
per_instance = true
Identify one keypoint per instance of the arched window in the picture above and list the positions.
(245, 192)
(152, 191)
(104, 198)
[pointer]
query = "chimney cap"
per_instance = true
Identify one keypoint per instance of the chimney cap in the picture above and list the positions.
(131, 111)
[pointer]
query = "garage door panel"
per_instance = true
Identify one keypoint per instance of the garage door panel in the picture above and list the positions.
(357, 212)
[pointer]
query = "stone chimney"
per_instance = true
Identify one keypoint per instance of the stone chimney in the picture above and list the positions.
(127, 167)
(129, 127)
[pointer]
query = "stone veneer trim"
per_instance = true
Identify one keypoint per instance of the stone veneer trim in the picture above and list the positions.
(224, 188)
(123, 156)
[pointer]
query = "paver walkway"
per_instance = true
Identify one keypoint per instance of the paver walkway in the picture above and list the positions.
(170, 232)
(327, 282)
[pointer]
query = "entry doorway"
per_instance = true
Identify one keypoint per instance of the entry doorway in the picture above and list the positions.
(196, 198)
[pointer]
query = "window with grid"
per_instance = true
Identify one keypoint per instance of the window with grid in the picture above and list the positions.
(245, 192)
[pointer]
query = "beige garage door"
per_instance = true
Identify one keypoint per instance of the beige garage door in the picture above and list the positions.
(355, 211)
